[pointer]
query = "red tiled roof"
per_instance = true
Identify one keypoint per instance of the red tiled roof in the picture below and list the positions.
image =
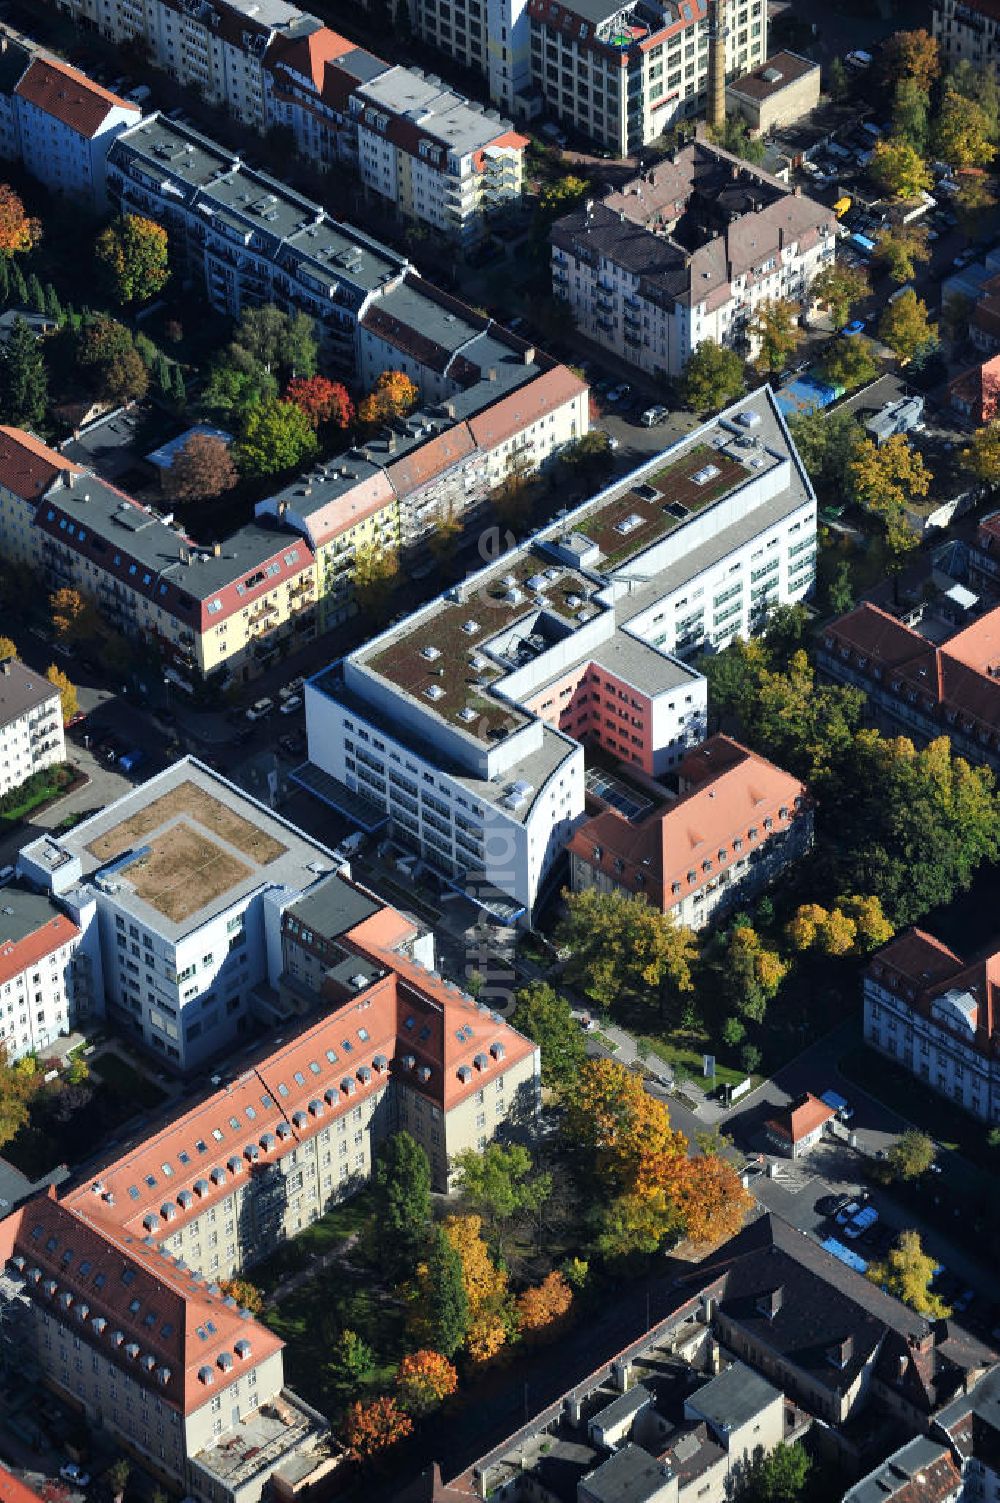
(730, 791)
(17, 956)
(919, 968)
(136, 1303)
(978, 389)
(12, 1490)
(69, 97)
(27, 466)
(309, 55)
(549, 391)
(802, 1117)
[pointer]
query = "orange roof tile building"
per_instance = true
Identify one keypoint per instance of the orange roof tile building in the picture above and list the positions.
(926, 690)
(117, 1283)
(737, 823)
(64, 124)
(800, 1126)
(937, 1015)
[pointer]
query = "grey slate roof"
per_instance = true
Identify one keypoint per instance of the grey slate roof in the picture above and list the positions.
(23, 912)
(733, 1397)
(333, 906)
(21, 690)
(631, 1475)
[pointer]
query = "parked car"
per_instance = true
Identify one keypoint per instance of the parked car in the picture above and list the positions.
(619, 393)
(130, 760)
(848, 1212)
(861, 1223)
(290, 705)
(294, 686)
(654, 415)
(74, 1475)
(831, 1205)
(260, 709)
(840, 1105)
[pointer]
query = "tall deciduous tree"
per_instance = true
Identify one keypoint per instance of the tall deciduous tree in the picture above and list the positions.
(910, 104)
(376, 568)
(836, 288)
(619, 942)
(68, 700)
(322, 400)
(907, 1273)
(423, 1380)
(850, 363)
(904, 325)
(18, 1083)
(912, 55)
(777, 1476)
(24, 384)
(246, 1295)
(911, 1155)
(202, 468)
(374, 1427)
(826, 443)
(133, 252)
(403, 1179)
(775, 330)
(899, 169)
(886, 480)
(548, 1019)
(72, 615)
(902, 249)
(19, 233)
(962, 131)
(542, 1310)
(445, 1313)
(498, 1184)
(393, 396)
(276, 436)
(713, 377)
(982, 457)
(237, 383)
(491, 1315)
(278, 341)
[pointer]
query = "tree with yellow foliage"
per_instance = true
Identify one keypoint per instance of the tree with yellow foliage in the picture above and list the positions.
(612, 1116)
(907, 1273)
(72, 616)
(393, 396)
(854, 926)
(982, 457)
(8, 648)
(490, 1307)
(67, 692)
(619, 942)
(712, 1199)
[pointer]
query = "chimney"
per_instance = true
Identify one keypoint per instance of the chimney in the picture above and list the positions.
(185, 555)
(770, 1303)
(841, 1352)
(68, 478)
(216, 550)
(491, 374)
(282, 508)
(391, 443)
(529, 355)
(5, 667)
(717, 33)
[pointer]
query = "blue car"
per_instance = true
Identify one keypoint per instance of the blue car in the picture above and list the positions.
(856, 327)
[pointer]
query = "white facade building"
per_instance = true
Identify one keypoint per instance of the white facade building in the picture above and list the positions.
(687, 253)
(935, 1015)
(31, 724)
(46, 981)
(463, 726)
(188, 877)
(63, 127)
(966, 31)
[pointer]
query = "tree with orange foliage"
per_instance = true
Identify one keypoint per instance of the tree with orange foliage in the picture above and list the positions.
(393, 396)
(711, 1199)
(370, 1428)
(322, 400)
(246, 1295)
(491, 1313)
(544, 1307)
(912, 54)
(423, 1379)
(18, 231)
(611, 1114)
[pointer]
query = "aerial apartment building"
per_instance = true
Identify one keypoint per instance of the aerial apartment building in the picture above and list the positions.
(924, 689)
(736, 824)
(464, 724)
(966, 31)
(31, 724)
(247, 238)
(112, 1291)
(216, 46)
(45, 981)
(687, 252)
(57, 122)
(179, 887)
(938, 1016)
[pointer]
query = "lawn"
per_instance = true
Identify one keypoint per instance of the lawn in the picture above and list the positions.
(347, 1219)
(685, 1053)
(41, 788)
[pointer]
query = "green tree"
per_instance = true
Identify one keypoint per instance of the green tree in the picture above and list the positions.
(499, 1186)
(775, 330)
(403, 1179)
(826, 444)
(910, 104)
(748, 974)
(900, 250)
(132, 251)
(276, 436)
(24, 383)
(117, 1476)
(734, 136)
(18, 286)
(178, 386)
(447, 1305)
(899, 169)
(279, 342)
(836, 288)
(911, 1155)
(907, 1273)
(713, 377)
(53, 307)
(4, 280)
(778, 1476)
(962, 131)
(904, 325)
(36, 294)
(980, 85)
(237, 383)
(162, 376)
(352, 1366)
(840, 594)
(547, 1019)
(837, 81)
(622, 943)
(851, 363)
(886, 479)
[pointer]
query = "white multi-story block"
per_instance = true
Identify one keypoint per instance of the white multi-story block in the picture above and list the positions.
(966, 31)
(31, 724)
(63, 126)
(464, 725)
(687, 253)
(934, 1014)
(46, 984)
(189, 878)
